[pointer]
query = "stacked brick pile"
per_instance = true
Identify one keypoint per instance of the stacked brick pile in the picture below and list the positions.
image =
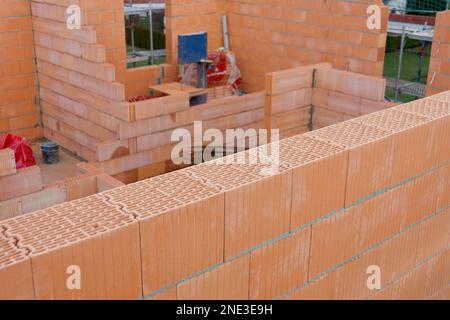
(269, 36)
(370, 191)
(439, 72)
(18, 113)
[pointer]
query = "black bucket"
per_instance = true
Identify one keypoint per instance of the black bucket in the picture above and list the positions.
(50, 152)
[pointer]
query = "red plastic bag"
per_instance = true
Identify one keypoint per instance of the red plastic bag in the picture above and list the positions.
(22, 150)
(219, 69)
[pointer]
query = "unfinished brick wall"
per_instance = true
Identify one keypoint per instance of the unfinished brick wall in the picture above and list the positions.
(285, 104)
(150, 133)
(439, 72)
(18, 112)
(22, 191)
(340, 95)
(272, 35)
(82, 73)
(371, 191)
(84, 82)
(315, 96)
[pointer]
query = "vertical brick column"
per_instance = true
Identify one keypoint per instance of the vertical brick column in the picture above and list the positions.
(439, 72)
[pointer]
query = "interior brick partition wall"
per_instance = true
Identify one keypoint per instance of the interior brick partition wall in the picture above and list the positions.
(340, 95)
(271, 35)
(310, 97)
(18, 113)
(373, 190)
(84, 82)
(84, 86)
(287, 108)
(439, 72)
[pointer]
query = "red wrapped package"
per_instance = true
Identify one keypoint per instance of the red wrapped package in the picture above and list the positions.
(219, 69)
(22, 150)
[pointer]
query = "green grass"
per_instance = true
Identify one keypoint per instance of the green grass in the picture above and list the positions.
(410, 64)
(157, 61)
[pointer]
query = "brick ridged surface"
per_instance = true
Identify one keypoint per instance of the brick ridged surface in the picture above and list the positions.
(345, 197)
(15, 270)
(9, 253)
(300, 150)
(160, 194)
(435, 107)
(65, 224)
(392, 120)
(88, 233)
(348, 134)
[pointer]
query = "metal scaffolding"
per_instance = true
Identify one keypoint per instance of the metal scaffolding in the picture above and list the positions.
(405, 31)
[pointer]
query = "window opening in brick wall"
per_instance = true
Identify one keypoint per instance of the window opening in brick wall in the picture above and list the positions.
(145, 33)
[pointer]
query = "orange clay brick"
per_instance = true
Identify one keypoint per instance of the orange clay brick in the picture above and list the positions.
(10, 208)
(7, 162)
(280, 266)
(25, 181)
(190, 209)
(15, 271)
(413, 141)
(227, 282)
(313, 161)
(81, 233)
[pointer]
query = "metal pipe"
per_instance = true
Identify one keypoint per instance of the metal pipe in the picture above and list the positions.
(421, 56)
(152, 51)
(400, 62)
(226, 42)
(133, 50)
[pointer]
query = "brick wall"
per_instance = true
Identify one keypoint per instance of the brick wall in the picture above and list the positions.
(341, 95)
(315, 96)
(186, 16)
(84, 82)
(285, 104)
(373, 190)
(439, 73)
(273, 35)
(18, 112)
(22, 191)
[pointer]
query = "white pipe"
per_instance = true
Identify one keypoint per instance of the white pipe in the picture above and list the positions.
(226, 42)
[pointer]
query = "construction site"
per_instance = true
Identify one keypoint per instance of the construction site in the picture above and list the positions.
(330, 176)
